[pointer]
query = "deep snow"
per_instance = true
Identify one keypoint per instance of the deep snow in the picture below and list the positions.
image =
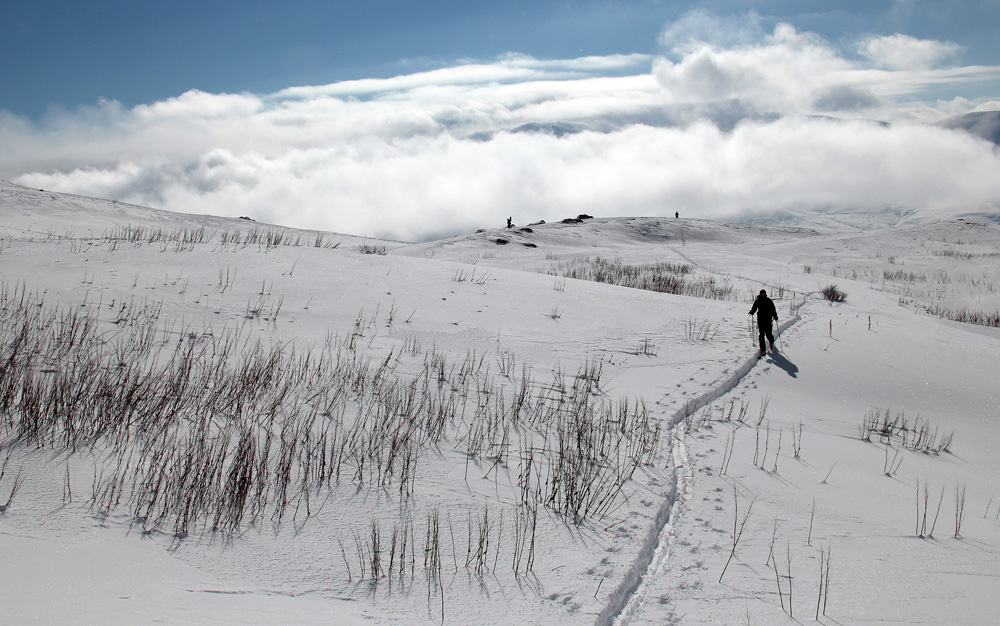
(880, 350)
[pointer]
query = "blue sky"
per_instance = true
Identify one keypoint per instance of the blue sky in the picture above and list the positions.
(415, 121)
(64, 54)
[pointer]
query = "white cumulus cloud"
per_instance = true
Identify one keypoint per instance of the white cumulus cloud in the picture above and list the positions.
(786, 72)
(902, 52)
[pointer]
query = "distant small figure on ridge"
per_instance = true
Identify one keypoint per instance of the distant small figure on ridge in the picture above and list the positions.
(677, 214)
(764, 308)
(510, 222)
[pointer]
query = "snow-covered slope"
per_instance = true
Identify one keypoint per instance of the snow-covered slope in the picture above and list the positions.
(37, 213)
(475, 326)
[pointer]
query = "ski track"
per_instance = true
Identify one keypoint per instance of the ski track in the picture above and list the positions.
(627, 600)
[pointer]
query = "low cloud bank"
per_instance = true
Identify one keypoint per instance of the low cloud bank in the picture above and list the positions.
(729, 122)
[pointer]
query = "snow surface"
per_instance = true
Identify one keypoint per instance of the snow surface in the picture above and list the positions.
(657, 556)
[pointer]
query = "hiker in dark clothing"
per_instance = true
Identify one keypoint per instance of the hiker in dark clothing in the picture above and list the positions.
(764, 308)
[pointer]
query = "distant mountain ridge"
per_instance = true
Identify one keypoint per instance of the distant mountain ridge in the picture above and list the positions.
(724, 115)
(985, 124)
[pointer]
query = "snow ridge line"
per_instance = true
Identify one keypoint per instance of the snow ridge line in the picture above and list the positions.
(626, 599)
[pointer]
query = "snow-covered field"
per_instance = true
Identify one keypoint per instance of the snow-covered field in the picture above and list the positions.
(445, 433)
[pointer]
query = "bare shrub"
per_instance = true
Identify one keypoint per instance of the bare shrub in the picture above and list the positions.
(214, 431)
(967, 316)
(825, 556)
(661, 277)
(646, 348)
(923, 500)
(739, 525)
(917, 435)
(833, 294)
(704, 330)
(369, 248)
(959, 508)
(15, 485)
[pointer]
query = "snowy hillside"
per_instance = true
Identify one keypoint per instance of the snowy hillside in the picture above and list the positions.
(208, 420)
